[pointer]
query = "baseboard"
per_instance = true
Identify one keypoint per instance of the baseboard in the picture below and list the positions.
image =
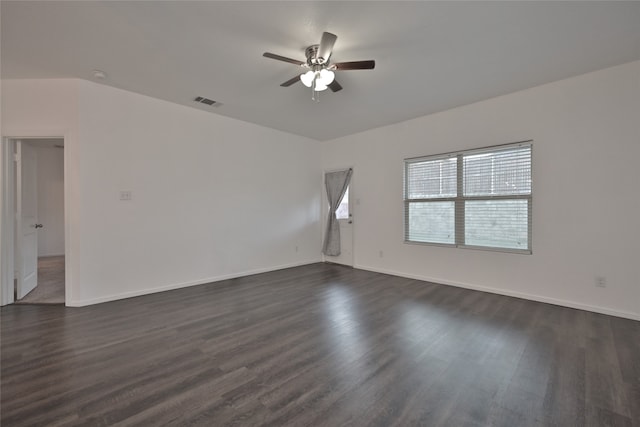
(124, 295)
(515, 294)
(50, 255)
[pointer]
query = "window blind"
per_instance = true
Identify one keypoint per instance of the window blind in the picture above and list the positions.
(477, 198)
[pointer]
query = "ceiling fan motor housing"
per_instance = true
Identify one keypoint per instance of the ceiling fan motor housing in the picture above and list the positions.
(312, 56)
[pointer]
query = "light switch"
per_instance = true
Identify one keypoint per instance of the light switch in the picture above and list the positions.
(125, 195)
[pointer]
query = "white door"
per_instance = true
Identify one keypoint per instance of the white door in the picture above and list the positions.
(26, 219)
(345, 218)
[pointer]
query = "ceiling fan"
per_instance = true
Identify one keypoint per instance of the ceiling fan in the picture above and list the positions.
(320, 74)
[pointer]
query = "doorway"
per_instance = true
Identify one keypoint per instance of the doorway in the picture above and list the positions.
(344, 214)
(36, 193)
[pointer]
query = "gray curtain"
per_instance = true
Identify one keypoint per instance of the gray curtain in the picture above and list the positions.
(336, 184)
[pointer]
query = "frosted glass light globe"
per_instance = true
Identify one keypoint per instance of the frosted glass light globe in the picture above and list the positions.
(307, 78)
(326, 76)
(320, 86)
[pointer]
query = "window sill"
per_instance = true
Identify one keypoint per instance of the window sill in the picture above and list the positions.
(480, 248)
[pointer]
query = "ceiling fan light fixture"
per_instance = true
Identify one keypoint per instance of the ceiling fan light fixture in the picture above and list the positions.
(326, 77)
(307, 78)
(319, 86)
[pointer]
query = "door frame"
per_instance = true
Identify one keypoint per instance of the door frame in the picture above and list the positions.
(324, 213)
(8, 214)
(7, 221)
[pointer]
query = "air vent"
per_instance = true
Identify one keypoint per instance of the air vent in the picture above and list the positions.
(206, 101)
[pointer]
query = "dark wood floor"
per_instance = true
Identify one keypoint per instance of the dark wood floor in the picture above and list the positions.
(319, 345)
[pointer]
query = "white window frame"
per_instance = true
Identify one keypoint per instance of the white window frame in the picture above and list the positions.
(460, 199)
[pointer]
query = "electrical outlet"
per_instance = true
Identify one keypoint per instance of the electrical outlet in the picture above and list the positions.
(296, 248)
(381, 254)
(601, 282)
(125, 195)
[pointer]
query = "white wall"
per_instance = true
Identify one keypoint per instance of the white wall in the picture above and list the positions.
(586, 204)
(50, 200)
(213, 197)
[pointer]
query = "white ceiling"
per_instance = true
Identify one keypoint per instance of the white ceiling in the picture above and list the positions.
(430, 56)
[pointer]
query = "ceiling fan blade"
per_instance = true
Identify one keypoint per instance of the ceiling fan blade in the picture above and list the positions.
(355, 65)
(326, 46)
(282, 58)
(291, 81)
(335, 86)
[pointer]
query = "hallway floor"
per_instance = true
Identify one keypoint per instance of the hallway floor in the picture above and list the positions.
(50, 289)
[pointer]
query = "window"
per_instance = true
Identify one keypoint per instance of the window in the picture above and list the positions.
(474, 199)
(343, 209)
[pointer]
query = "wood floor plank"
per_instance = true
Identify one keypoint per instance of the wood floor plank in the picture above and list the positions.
(318, 345)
